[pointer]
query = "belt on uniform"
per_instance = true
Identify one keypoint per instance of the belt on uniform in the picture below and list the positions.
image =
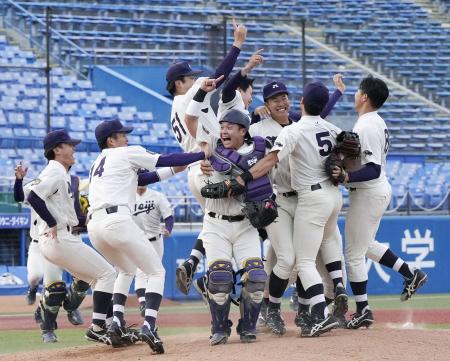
(226, 218)
(34, 240)
(352, 189)
(153, 239)
(109, 210)
(316, 187)
(289, 194)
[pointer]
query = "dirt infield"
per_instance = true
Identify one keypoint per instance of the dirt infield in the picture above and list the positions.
(378, 343)
(387, 340)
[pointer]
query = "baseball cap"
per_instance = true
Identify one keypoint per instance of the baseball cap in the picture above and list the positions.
(236, 117)
(108, 127)
(180, 69)
(274, 88)
(316, 93)
(60, 136)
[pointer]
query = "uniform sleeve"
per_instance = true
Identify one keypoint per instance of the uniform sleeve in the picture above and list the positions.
(164, 206)
(285, 142)
(371, 146)
(47, 185)
(139, 157)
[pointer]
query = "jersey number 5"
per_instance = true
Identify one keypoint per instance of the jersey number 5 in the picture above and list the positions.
(176, 126)
(324, 143)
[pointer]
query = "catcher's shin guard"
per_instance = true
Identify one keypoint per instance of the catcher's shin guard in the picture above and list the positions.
(75, 295)
(54, 295)
(220, 285)
(253, 281)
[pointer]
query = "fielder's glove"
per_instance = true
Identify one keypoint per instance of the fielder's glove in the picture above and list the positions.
(261, 213)
(84, 204)
(222, 189)
(334, 160)
(348, 144)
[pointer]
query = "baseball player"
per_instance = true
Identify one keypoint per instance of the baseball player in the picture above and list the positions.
(183, 85)
(149, 208)
(227, 233)
(52, 199)
(307, 143)
(370, 194)
(112, 195)
(39, 268)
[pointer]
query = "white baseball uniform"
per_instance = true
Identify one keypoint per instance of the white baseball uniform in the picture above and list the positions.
(196, 179)
(112, 195)
(369, 199)
(148, 210)
(68, 251)
(307, 144)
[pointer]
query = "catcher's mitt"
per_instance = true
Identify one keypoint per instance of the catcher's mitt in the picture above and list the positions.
(261, 213)
(84, 204)
(334, 160)
(348, 144)
(221, 189)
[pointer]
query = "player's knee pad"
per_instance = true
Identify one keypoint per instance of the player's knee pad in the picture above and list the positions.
(220, 281)
(54, 293)
(75, 295)
(254, 279)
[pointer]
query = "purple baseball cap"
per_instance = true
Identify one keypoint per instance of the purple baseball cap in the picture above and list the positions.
(179, 70)
(108, 127)
(316, 93)
(274, 88)
(56, 137)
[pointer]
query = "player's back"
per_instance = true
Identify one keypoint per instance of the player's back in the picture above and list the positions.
(113, 179)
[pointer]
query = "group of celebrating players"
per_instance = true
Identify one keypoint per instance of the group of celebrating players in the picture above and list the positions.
(270, 174)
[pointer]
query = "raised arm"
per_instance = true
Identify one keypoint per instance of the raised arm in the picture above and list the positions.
(338, 82)
(20, 173)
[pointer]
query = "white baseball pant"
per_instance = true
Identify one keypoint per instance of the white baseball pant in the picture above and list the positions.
(140, 280)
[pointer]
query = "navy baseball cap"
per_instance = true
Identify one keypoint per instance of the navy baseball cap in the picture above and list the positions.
(108, 127)
(236, 117)
(274, 88)
(60, 136)
(316, 93)
(179, 70)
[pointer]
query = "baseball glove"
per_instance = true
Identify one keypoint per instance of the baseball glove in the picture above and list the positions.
(334, 160)
(261, 213)
(221, 189)
(348, 144)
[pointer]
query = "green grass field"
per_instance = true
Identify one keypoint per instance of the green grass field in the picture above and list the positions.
(13, 341)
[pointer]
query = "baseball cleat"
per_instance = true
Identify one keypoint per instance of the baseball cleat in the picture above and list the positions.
(118, 335)
(199, 285)
(31, 295)
(317, 326)
(413, 284)
(151, 338)
(218, 338)
(247, 336)
(340, 302)
(97, 336)
(184, 274)
(75, 317)
(275, 322)
(302, 319)
(363, 319)
(142, 308)
(49, 337)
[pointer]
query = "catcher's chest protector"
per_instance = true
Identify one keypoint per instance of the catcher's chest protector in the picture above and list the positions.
(242, 161)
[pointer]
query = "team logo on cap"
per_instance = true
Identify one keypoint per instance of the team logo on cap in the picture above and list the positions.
(274, 86)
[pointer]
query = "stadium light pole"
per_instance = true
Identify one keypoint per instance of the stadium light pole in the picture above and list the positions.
(47, 65)
(225, 24)
(303, 52)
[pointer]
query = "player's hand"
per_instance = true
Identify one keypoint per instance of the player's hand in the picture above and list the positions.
(240, 33)
(52, 233)
(338, 82)
(209, 84)
(337, 173)
(20, 171)
(206, 168)
(255, 60)
(165, 232)
(179, 168)
(262, 111)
